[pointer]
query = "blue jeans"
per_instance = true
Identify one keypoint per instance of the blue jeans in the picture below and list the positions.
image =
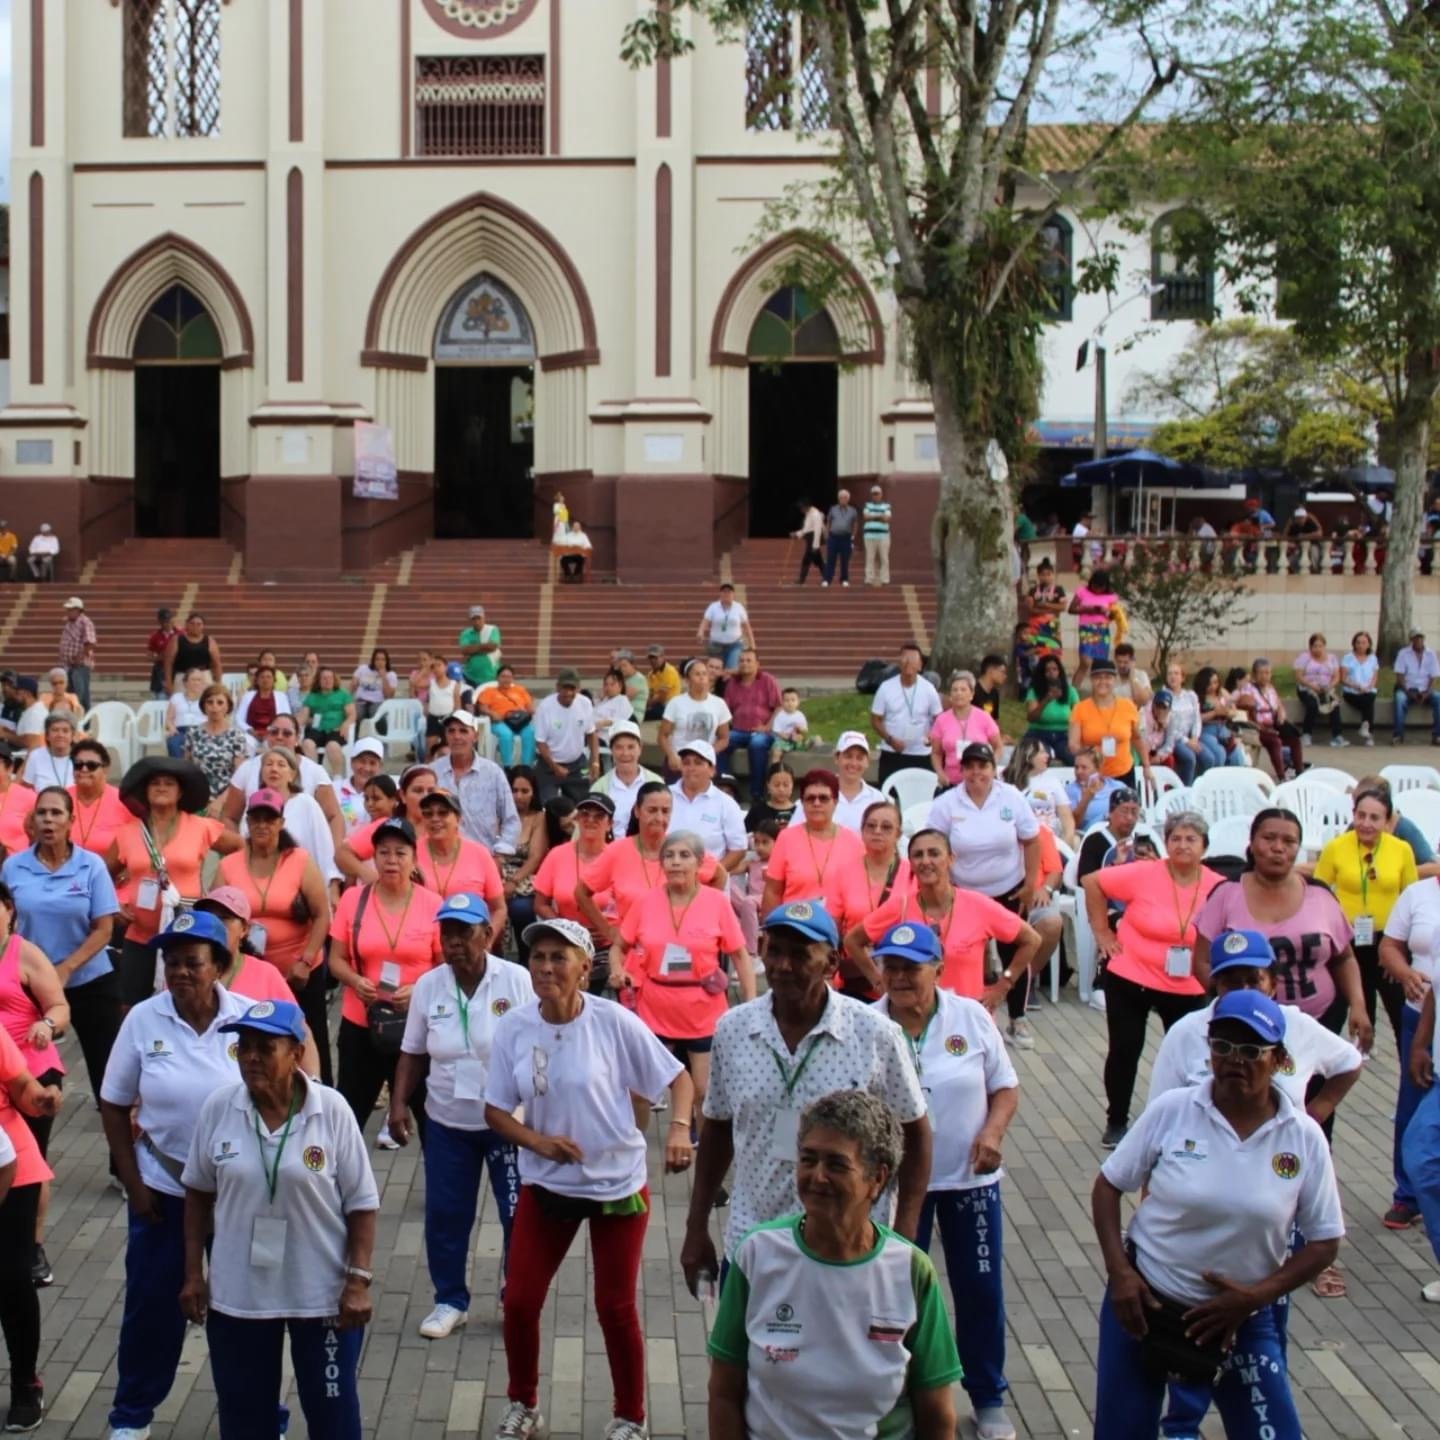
(453, 1163)
(1252, 1394)
(152, 1329)
(521, 909)
(175, 744)
(1422, 1162)
(1407, 1102)
(1185, 760)
(77, 677)
(1402, 709)
(838, 548)
(1213, 749)
(505, 742)
(727, 654)
(756, 744)
(245, 1359)
(971, 1234)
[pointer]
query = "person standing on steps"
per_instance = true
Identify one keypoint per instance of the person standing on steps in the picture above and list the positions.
(875, 532)
(725, 628)
(811, 536)
(77, 649)
(840, 523)
(191, 649)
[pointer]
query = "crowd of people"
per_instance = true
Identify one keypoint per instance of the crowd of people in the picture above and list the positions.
(819, 999)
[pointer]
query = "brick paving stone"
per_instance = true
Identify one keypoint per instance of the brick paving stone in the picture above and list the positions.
(1364, 1367)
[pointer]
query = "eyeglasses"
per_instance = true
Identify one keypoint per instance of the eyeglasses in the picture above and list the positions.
(1223, 1049)
(87, 765)
(540, 1070)
(821, 799)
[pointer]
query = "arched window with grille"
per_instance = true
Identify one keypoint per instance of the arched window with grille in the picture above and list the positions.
(779, 93)
(1057, 265)
(172, 69)
(1180, 262)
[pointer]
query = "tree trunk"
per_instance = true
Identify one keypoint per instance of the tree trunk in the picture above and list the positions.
(1397, 584)
(971, 540)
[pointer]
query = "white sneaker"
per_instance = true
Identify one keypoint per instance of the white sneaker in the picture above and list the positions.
(130, 1432)
(384, 1140)
(619, 1429)
(1018, 1033)
(1431, 1292)
(1339, 743)
(1097, 1001)
(441, 1321)
(520, 1422)
(993, 1423)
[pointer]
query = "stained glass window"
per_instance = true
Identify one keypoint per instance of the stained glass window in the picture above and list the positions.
(793, 327)
(176, 328)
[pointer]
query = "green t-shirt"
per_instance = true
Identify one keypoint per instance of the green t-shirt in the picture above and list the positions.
(481, 669)
(832, 1349)
(1055, 716)
(637, 691)
(327, 708)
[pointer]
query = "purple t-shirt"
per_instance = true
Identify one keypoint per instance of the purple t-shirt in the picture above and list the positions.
(1305, 945)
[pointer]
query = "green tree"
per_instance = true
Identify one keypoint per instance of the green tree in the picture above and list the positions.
(1180, 607)
(1316, 147)
(932, 185)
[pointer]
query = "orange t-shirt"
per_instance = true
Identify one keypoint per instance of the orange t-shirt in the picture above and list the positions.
(1112, 728)
(416, 946)
(184, 854)
(95, 824)
(629, 876)
(15, 804)
(1050, 861)
(556, 878)
(973, 921)
(472, 871)
(499, 703)
(851, 896)
(271, 900)
(801, 862)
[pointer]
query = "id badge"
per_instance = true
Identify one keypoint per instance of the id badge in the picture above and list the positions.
(147, 896)
(389, 977)
(1107, 747)
(267, 1242)
(257, 937)
(1363, 931)
(785, 1136)
(1178, 962)
(676, 961)
(469, 1078)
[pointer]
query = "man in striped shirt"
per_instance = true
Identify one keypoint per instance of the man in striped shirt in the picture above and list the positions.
(876, 534)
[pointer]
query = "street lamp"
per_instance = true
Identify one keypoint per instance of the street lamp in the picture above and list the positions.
(1101, 446)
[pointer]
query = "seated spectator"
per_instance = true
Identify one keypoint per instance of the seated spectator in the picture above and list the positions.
(302, 682)
(613, 706)
(1166, 737)
(44, 550)
(184, 712)
(511, 709)
(442, 700)
(1261, 702)
(575, 541)
(9, 551)
(754, 700)
(328, 719)
(375, 683)
(59, 696)
(1317, 683)
(49, 764)
(30, 726)
(780, 802)
(662, 683)
(789, 725)
(1090, 791)
(260, 705)
(1131, 682)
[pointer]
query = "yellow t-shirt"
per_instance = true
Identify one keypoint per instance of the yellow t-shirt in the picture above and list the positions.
(9, 543)
(663, 684)
(1341, 868)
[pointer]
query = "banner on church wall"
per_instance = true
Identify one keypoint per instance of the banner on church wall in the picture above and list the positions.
(376, 475)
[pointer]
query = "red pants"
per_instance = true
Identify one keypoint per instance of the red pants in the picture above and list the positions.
(1270, 742)
(537, 1246)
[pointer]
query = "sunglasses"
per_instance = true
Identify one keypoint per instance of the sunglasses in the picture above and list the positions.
(87, 765)
(1223, 1049)
(1369, 861)
(821, 799)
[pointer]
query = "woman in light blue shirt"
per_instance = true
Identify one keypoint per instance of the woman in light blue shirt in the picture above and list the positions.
(1360, 680)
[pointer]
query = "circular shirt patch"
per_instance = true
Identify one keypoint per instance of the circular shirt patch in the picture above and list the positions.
(182, 923)
(459, 902)
(784, 1313)
(800, 910)
(1287, 1066)
(314, 1158)
(955, 1045)
(263, 1011)
(905, 935)
(233, 1051)
(499, 1007)
(1235, 944)
(1286, 1165)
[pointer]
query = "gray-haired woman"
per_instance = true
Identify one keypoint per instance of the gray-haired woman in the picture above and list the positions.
(878, 1356)
(1151, 958)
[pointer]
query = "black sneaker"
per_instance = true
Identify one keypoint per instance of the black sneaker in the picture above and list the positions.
(40, 1271)
(27, 1405)
(1113, 1135)
(722, 1199)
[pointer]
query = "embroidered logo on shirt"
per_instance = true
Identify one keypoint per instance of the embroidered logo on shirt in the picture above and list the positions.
(1006, 813)
(781, 1354)
(1192, 1150)
(158, 1048)
(499, 1007)
(784, 1322)
(955, 1045)
(1286, 1165)
(314, 1158)
(887, 1332)
(226, 1152)
(233, 1050)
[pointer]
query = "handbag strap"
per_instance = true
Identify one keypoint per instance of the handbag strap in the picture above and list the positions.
(889, 880)
(355, 927)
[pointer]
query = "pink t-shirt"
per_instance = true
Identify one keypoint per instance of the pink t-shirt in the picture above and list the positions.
(15, 804)
(1306, 945)
(415, 948)
(628, 875)
(801, 861)
(672, 1001)
(1317, 674)
(978, 728)
(472, 871)
(19, 1011)
(30, 1166)
(973, 921)
(851, 896)
(1154, 909)
(96, 824)
(556, 878)
(1094, 606)
(259, 980)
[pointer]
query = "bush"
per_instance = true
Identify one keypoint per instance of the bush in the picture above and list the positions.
(1182, 605)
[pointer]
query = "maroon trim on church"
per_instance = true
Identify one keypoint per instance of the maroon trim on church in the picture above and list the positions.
(490, 162)
(121, 167)
(483, 200)
(294, 276)
(393, 360)
(764, 159)
(36, 260)
(552, 79)
(662, 82)
(37, 74)
(40, 422)
(762, 257)
(243, 358)
(407, 66)
(297, 72)
(436, 12)
(110, 362)
(664, 267)
(570, 359)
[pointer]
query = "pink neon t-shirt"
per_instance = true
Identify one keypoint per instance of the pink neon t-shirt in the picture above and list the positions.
(978, 729)
(802, 861)
(1151, 924)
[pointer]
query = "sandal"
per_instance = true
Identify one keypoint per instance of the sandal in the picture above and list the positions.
(1329, 1284)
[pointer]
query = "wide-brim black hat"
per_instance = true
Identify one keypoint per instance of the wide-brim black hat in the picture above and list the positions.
(194, 787)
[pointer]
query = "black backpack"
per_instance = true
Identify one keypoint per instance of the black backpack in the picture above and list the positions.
(872, 674)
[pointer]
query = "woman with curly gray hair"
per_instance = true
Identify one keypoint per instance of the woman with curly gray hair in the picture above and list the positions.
(1150, 960)
(828, 1323)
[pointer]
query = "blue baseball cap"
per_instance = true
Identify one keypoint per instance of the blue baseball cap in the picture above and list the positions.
(809, 917)
(1252, 1008)
(193, 925)
(469, 909)
(918, 944)
(269, 1017)
(1240, 947)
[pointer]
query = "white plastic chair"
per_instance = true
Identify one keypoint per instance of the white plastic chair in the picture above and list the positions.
(402, 719)
(237, 682)
(112, 723)
(1422, 809)
(1162, 782)
(913, 818)
(1230, 836)
(1175, 799)
(150, 726)
(1323, 812)
(1066, 902)
(1234, 774)
(1225, 802)
(908, 788)
(1061, 774)
(1339, 780)
(1404, 778)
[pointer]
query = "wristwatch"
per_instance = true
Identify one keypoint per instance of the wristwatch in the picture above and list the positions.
(356, 1273)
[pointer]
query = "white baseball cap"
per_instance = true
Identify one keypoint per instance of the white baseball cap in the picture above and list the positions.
(851, 738)
(624, 727)
(368, 746)
(469, 721)
(703, 748)
(571, 931)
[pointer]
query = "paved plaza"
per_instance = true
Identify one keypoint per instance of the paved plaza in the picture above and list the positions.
(1364, 1366)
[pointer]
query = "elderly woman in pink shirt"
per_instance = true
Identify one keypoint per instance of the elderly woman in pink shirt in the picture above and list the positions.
(961, 723)
(1317, 682)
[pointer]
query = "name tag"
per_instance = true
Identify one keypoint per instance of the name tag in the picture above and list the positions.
(1364, 930)
(469, 1078)
(267, 1242)
(389, 976)
(258, 937)
(147, 896)
(1107, 747)
(1178, 961)
(785, 1136)
(676, 960)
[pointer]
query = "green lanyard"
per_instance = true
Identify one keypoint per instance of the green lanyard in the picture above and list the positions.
(789, 1080)
(463, 1005)
(272, 1172)
(916, 1046)
(157, 858)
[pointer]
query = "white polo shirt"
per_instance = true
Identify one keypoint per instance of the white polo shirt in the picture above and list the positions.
(961, 1061)
(985, 839)
(247, 778)
(43, 769)
(1415, 923)
(1216, 1202)
(576, 1080)
(1184, 1056)
(849, 809)
(564, 728)
(696, 719)
(435, 1026)
(852, 1047)
(907, 713)
(322, 1175)
(161, 1062)
(712, 815)
(622, 794)
(726, 622)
